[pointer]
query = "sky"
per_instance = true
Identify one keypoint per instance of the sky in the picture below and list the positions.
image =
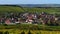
(29, 1)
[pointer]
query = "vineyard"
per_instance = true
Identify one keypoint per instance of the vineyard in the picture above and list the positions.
(5, 9)
(28, 28)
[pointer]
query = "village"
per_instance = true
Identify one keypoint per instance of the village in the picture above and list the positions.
(29, 18)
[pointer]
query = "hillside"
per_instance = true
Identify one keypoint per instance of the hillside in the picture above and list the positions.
(5, 9)
(40, 5)
(34, 28)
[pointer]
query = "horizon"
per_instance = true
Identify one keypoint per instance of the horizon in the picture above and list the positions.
(30, 2)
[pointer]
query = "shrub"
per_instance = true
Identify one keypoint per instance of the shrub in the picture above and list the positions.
(29, 32)
(23, 32)
(6, 32)
(1, 32)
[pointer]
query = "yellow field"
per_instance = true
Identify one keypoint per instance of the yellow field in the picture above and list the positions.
(17, 31)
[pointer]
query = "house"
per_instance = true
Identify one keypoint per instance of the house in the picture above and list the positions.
(7, 21)
(29, 21)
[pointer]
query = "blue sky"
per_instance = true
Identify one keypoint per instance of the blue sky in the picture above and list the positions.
(29, 1)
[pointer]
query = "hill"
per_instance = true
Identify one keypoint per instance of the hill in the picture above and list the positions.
(40, 5)
(19, 8)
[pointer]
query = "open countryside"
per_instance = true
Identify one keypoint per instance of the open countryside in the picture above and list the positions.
(25, 20)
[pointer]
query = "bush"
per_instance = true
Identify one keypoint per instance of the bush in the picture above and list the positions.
(38, 33)
(29, 32)
(5, 24)
(6, 32)
(23, 32)
(1, 32)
